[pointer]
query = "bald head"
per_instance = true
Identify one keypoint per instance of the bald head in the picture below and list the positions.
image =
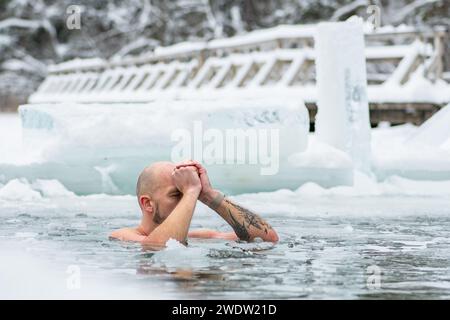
(153, 176)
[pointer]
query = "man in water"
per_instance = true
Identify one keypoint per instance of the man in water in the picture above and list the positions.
(167, 195)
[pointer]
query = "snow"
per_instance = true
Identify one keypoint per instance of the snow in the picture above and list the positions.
(366, 197)
(19, 23)
(395, 177)
(417, 90)
(413, 152)
(180, 49)
(410, 9)
(435, 131)
(272, 34)
(127, 139)
(367, 186)
(22, 189)
(110, 162)
(101, 147)
(18, 65)
(388, 28)
(5, 40)
(18, 190)
(399, 87)
(77, 64)
(347, 9)
(51, 188)
(139, 43)
(321, 155)
(291, 32)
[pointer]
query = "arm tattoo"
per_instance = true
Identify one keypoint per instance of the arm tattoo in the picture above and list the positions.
(248, 219)
(240, 230)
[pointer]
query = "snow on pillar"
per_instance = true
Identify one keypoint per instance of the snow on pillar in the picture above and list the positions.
(343, 111)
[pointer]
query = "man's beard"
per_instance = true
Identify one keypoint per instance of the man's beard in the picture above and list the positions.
(157, 218)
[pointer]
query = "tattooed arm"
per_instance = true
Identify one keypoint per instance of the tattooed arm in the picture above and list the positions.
(246, 224)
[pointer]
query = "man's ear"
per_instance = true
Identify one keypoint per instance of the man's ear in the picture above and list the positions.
(146, 203)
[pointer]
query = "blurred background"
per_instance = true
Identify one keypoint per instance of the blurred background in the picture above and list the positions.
(33, 33)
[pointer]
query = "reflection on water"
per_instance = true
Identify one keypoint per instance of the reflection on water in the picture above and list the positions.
(317, 257)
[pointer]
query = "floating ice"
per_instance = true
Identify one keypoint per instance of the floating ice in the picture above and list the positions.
(177, 256)
(173, 244)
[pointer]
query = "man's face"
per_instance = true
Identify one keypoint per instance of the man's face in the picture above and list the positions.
(166, 197)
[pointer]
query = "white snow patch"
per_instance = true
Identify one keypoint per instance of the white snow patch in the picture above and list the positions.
(19, 190)
(321, 155)
(51, 188)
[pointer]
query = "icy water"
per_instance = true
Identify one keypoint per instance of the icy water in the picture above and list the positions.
(329, 249)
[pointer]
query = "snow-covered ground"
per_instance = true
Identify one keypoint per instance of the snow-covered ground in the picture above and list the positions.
(406, 159)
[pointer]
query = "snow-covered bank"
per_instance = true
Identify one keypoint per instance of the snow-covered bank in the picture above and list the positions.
(414, 152)
(394, 196)
(246, 144)
(406, 160)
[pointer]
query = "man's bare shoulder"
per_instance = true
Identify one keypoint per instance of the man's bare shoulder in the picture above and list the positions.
(127, 234)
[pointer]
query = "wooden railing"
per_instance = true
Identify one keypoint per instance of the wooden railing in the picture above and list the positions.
(264, 62)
